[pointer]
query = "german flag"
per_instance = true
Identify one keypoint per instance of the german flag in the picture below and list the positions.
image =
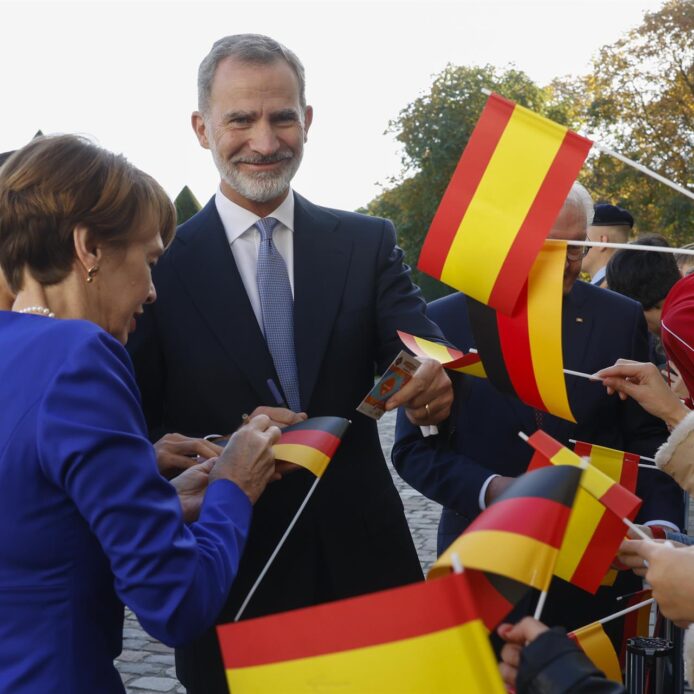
(312, 443)
(421, 638)
(596, 644)
(519, 535)
(449, 357)
(522, 353)
(595, 528)
(620, 466)
(507, 190)
(495, 596)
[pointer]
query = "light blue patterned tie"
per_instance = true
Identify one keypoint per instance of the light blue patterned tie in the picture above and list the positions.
(277, 307)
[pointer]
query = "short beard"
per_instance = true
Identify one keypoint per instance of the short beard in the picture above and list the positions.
(262, 186)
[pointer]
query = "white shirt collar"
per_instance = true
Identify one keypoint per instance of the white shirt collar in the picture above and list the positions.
(237, 220)
(599, 276)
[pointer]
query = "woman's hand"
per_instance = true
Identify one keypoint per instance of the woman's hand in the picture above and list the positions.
(669, 570)
(247, 460)
(643, 383)
(517, 637)
(191, 486)
(176, 453)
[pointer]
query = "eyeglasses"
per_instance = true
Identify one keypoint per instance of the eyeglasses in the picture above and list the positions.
(574, 253)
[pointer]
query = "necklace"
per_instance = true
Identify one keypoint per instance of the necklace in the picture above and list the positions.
(39, 310)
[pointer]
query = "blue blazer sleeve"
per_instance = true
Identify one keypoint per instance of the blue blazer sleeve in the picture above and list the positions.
(92, 444)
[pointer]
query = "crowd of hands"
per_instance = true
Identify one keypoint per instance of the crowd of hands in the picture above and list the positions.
(666, 566)
(248, 461)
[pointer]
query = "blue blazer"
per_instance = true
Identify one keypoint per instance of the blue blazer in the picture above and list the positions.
(598, 327)
(201, 362)
(88, 522)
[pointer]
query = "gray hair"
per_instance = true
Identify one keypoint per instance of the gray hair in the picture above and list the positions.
(579, 198)
(247, 48)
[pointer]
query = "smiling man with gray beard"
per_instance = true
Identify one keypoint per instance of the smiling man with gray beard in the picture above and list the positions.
(269, 303)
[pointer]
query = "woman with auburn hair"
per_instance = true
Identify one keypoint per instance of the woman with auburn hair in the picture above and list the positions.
(89, 523)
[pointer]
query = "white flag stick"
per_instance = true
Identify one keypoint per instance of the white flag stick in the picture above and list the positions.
(643, 457)
(626, 246)
(590, 377)
(645, 170)
(627, 610)
(275, 552)
(637, 530)
(630, 162)
(455, 563)
(540, 605)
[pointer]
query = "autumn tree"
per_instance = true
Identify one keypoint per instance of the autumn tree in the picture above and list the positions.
(434, 130)
(639, 101)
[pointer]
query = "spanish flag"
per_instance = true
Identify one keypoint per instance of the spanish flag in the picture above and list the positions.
(595, 528)
(449, 357)
(312, 443)
(596, 644)
(421, 638)
(507, 190)
(620, 466)
(519, 535)
(522, 353)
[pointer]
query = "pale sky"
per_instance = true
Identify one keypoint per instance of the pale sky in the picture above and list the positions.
(125, 73)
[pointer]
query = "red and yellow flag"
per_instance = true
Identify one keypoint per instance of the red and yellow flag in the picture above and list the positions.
(522, 353)
(596, 644)
(507, 190)
(595, 529)
(620, 466)
(312, 443)
(421, 638)
(519, 535)
(449, 357)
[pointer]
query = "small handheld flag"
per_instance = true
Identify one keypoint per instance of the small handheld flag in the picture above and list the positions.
(522, 352)
(519, 535)
(448, 357)
(596, 526)
(596, 644)
(501, 202)
(421, 638)
(311, 443)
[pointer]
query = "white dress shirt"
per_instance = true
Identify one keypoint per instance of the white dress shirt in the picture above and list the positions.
(244, 239)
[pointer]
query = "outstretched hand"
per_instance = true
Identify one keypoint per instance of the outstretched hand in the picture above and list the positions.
(668, 569)
(644, 383)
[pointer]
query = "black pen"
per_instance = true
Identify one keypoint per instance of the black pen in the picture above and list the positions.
(279, 400)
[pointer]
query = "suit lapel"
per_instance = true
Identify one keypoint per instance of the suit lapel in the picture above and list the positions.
(207, 270)
(321, 260)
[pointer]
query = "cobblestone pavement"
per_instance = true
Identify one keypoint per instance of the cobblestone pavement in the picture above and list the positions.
(147, 666)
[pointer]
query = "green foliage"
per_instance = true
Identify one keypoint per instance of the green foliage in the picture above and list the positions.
(434, 130)
(638, 100)
(186, 205)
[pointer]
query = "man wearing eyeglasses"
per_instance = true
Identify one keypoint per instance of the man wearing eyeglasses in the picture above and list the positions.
(479, 454)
